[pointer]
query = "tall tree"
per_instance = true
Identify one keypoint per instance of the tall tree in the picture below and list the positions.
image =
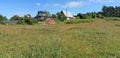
(61, 16)
(16, 17)
(111, 11)
(2, 18)
(105, 10)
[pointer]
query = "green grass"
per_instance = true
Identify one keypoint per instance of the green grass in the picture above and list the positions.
(112, 18)
(77, 21)
(99, 39)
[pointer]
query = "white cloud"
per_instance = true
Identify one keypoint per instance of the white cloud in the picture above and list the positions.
(56, 5)
(73, 4)
(102, 1)
(38, 4)
(20, 13)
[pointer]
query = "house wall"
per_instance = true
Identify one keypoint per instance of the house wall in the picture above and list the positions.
(41, 16)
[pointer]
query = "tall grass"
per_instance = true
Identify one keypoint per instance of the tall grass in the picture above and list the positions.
(99, 39)
(112, 18)
(77, 21)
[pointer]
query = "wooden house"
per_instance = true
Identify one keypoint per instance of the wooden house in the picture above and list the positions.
(41, 16)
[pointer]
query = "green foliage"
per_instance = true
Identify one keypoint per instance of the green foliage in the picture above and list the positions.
(74, 41)
(29, 21)
(61, 16)
(87, 15)
(15, 17)
(99, 16)
(7, 22)
(87, 40)
(54, 16)
(81, 16)
(110, 11)
(59, 22)
(112, 18)
(76, 21)
(21, 22)
(2, 18)
(46, 51)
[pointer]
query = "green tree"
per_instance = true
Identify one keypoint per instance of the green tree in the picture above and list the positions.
(105, 10)
(87, 15)
(54, 16)
(110, 11)
(22, 22)
(99, 15)
(2, 18)
(117, 11)
(81, 16)
(29, 20)
(15, 17)
(94, 14)
(61, 16)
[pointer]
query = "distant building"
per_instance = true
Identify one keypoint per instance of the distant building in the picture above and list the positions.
(42, 15)
(28, 15)
(68, 14)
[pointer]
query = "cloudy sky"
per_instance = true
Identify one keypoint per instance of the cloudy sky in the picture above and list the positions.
(20, 7)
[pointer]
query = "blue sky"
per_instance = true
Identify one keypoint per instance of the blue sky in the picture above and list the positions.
(9, 8)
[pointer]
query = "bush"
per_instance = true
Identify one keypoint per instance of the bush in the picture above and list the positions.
(100, 16)
(29, 21)
(2, 18)
(21, 22)
(76, 21)
(87, 15)
(112, 18)
(61, 16)
(15, 17)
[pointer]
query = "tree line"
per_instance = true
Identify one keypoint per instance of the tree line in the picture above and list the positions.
(110, 11)
(26, 19)
(107, 11)
(90, 15)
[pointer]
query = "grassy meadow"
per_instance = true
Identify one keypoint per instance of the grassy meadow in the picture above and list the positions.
(98, 39)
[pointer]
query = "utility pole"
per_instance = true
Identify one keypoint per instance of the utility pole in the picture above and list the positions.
(66, 13)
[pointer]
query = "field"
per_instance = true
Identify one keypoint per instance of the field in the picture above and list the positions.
(99, 39)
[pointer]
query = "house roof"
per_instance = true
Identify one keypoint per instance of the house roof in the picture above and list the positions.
(67, 13)
(42, 13)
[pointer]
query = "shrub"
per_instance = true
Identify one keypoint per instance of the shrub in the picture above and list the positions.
(2, 18)
(87, 15)
(15, 17)
(21, 22)
(100, 16)
(112, 18)
(76, 21)
(61, 16)
(29, 21)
